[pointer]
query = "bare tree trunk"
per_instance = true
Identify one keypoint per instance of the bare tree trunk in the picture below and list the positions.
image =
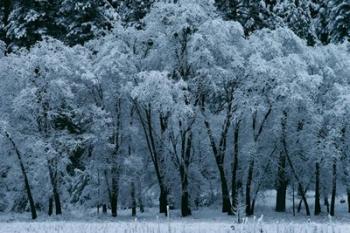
(99, 192)
(234, 192)
(219, 154)
(25, 177)
(317, 190)
(281, 184)
(145, 116)
(334, 187)
(185, 203)
(293, 200)
(141, 206)
(348, 194)
(114, 196)
(57, 203)
(163, 200)
(248, 189)
(115, 159)
(226, 203)
(252, 207)
(56, 195)
(140, 201)
(257, 130)
(184, 165)
(284, 144)
(133, 200)
(50, 206)
(326, 203)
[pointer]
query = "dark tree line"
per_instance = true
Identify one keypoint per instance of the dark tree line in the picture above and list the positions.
(23, 23)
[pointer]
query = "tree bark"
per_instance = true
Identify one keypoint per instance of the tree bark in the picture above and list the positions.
(185, 204)
(281, 184)
(145, 116)
(163, 200)
(219, 154)
(50, 206)
(285, 148)
(334, 187)
(317, 190)
(56, 195)
(257, 130)
(184, 165)
(133, 200)
(293, 200)
(141, 206)
(25, 177)
(226, 203)
(57, 203)
(248, 207)
(348, 194)
(234, 191)
(326, 203)
(300, 187)
(140, 201)
(114, 196)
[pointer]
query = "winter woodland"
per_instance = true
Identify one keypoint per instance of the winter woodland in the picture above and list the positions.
(183, 105)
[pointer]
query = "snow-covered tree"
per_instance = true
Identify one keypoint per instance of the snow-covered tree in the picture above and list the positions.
(82, 20)
(339, 23)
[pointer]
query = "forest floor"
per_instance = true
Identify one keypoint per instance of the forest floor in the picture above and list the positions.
(206, 220)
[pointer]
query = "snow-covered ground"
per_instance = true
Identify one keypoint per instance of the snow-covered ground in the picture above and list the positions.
(172, 227)
(203, 221)
(208, 220)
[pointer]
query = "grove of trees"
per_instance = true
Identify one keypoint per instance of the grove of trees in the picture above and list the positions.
(187, 104)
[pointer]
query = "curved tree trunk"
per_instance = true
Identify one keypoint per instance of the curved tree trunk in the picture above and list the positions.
(145, 116)
(257, 130)
(25, 177)
(285, 148)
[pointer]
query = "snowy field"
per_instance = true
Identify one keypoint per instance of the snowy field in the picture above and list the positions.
(172, 227)
(204, 221)
(207, 220)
